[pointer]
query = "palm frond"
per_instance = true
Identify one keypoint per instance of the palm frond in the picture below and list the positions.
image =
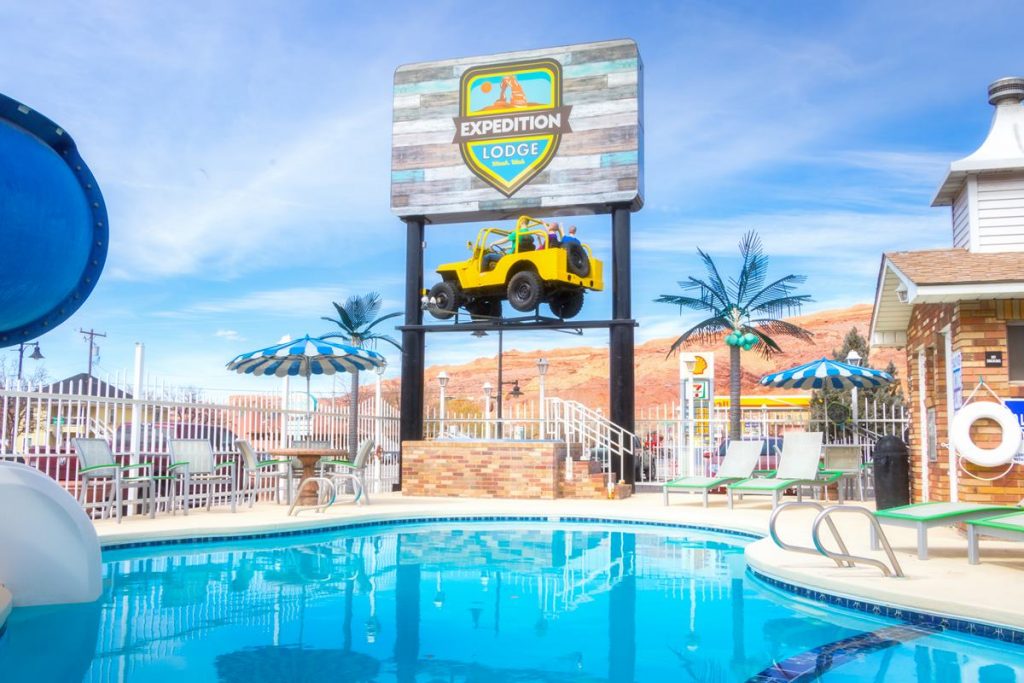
(336, 335)
(782, 307)
(717, 284)
(685, 302)
(776, 327)
(708, 293)
(703, 332)
(380, 320)
(779, 288)
(346, 320)
(755, 267)
(374, 338)
(767, 346)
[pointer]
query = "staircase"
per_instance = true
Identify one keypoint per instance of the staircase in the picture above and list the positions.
(598, 439)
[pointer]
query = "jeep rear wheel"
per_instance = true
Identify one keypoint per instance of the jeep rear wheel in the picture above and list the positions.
(577, 260)
(524, 290)
(445, 300)
(566, 303)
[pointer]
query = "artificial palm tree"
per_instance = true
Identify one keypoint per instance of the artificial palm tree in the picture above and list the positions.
(357, 318)
(749, 310)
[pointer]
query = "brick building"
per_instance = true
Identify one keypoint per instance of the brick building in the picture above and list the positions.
(959, 312)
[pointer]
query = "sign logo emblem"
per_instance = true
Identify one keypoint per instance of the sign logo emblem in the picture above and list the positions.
(511, 121)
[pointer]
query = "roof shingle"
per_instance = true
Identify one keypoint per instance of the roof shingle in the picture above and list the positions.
(958, 266)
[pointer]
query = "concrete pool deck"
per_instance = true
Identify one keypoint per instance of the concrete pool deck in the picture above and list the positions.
(946, 584)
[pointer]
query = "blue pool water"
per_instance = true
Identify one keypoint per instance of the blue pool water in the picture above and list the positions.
(485, 602)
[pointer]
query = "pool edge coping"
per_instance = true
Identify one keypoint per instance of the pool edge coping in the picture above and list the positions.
(760, 570)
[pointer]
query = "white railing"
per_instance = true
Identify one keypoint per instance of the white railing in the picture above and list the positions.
(602, 439)
(38, 423)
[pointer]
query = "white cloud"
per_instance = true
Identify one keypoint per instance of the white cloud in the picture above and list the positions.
(229, 335)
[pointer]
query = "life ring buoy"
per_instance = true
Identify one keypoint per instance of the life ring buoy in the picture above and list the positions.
(960, 433)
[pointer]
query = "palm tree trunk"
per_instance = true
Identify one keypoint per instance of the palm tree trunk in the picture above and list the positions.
(353, 416)
(735, 432)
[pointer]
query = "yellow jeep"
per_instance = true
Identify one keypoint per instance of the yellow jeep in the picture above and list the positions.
(507, 264)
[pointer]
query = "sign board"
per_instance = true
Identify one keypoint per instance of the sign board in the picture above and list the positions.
(957, 367)
(993, 359)
(1016, 406)
(556, 131)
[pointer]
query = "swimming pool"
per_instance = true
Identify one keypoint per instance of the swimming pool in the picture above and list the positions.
(471, 601)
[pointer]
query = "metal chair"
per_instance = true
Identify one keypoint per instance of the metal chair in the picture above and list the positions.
(847, 461)
(97, 465)
(351, 471)
(256, 471)
(193, 463)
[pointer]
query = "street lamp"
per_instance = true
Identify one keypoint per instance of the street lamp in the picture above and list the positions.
(542, 370)
(442, 381)
(855, 359)
(488, 390)
(36, 355)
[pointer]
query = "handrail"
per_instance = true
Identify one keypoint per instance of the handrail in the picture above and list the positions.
(573, 421)
(824, 516)
(773, 532)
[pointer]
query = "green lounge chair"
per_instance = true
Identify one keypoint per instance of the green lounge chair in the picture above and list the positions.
(1009, 526)
(739, 463)
(97, 465)
(194, 466)
(798, 465)
(924, 516)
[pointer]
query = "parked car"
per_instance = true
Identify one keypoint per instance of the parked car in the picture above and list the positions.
(769, 452)
(154, 436)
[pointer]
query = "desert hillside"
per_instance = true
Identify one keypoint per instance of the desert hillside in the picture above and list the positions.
(582, 373)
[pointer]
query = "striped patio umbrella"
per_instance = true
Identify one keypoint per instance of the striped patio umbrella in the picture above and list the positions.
(306, 357)
(827, 374)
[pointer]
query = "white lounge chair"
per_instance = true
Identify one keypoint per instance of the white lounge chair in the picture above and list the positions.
(192, 461)
(798, 466)
(96, 465)
(740, 460)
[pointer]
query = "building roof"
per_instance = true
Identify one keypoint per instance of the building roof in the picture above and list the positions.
(84, 384)
(907, 278)
(958, 266)
(1002, 150)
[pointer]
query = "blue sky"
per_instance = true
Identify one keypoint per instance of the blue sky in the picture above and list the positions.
(243, 150)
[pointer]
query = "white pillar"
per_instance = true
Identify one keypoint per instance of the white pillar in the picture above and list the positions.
(378, 410)
(284, 412)
(137, 417)
(954, 478)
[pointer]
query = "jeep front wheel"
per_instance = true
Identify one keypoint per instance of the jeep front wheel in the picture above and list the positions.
(567, 303)
(524, 291)
(444, 300)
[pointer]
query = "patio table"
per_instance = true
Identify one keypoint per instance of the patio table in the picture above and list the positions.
(309, 457)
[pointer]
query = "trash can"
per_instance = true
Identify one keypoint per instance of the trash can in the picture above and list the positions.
(891, 464)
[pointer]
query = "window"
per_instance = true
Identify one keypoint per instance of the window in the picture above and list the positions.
(1015, 352)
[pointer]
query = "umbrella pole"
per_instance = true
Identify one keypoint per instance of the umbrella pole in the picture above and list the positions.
(309, 413)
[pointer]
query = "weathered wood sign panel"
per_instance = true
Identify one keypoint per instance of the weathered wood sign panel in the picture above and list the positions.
(545, 132)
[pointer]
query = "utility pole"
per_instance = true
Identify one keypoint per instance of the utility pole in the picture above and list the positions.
(91, 334)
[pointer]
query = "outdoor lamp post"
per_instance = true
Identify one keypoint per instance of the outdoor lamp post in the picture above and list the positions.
(36, 355)
(487, 409)
(442, 381)
(542, 370)
(854, 358)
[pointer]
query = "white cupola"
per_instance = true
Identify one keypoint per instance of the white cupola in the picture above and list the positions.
(986, 189)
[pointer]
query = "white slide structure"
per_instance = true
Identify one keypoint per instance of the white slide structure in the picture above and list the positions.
(49, 551)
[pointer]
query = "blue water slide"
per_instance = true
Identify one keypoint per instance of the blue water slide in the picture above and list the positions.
(53, 225)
